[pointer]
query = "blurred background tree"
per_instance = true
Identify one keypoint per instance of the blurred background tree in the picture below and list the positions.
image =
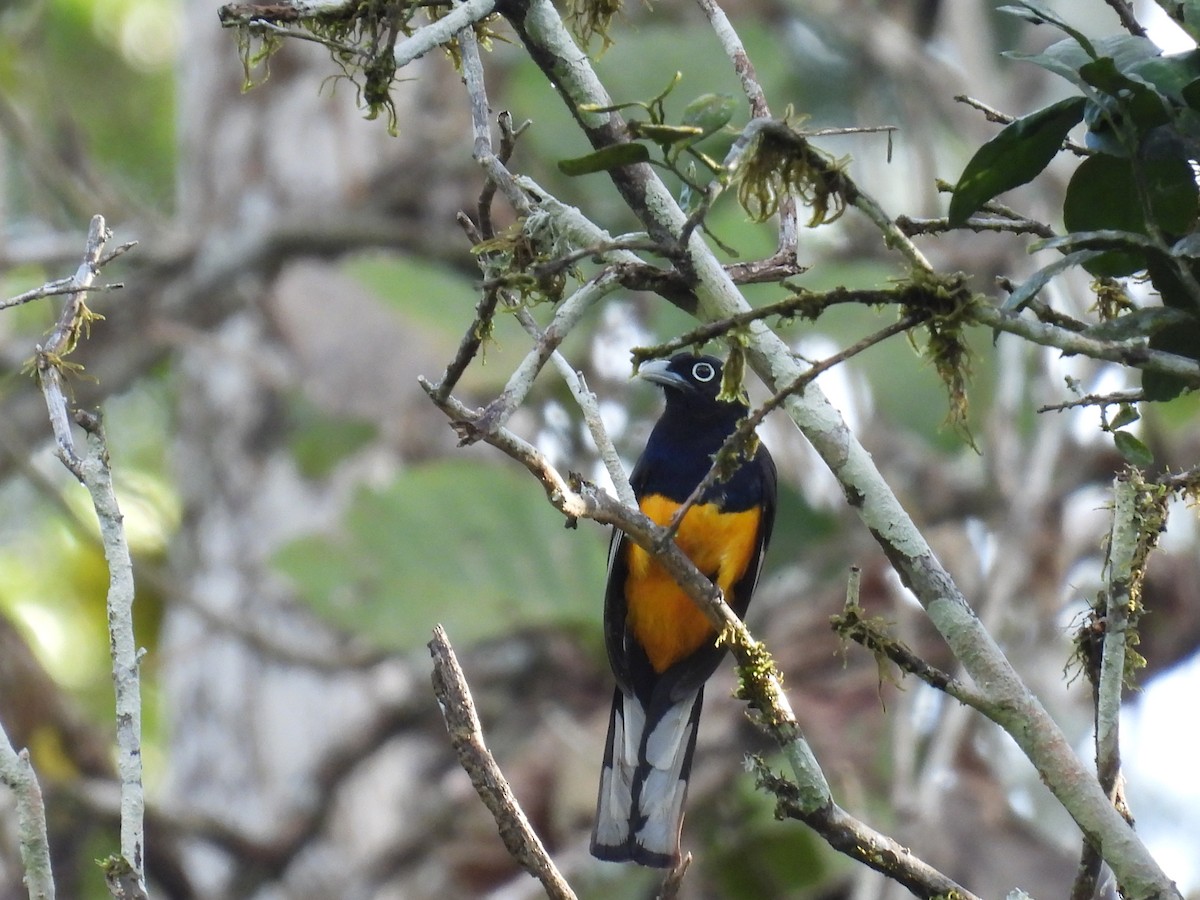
(301, 516)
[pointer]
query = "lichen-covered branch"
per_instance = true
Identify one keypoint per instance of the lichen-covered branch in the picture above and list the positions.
(1110, 628)
(849, 836)
(93, 472)
(1130, 353)
(1114, 670)
(17, 774)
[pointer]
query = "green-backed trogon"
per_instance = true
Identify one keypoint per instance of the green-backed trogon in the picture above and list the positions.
(660, 645)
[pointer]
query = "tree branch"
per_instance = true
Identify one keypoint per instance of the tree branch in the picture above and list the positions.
(466, 734)
(92, 471)
(849, 836)
(17, 773)
(1130, 353)
(1122, 546)
(566, 316)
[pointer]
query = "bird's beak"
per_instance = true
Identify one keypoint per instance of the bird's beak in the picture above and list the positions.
(657, 371)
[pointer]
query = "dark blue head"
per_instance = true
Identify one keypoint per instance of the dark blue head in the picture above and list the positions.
(691, 384)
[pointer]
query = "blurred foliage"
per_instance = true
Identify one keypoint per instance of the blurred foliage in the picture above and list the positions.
(407, 284)
(319, 442)
(748, 854)
(93, 84)
(464, 544)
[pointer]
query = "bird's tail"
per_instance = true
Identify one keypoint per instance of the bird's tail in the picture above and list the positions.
(647, 761)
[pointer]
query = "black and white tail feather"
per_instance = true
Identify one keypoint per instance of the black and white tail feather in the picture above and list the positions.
(643, 785)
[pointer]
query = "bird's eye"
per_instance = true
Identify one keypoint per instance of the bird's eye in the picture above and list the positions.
(704, 372)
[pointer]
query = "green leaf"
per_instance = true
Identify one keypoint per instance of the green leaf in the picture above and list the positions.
(1127, 414)
(1064, 59)
(1039, 14)
(1170, 75)
(1014, 156)
(1103, 196)
(473, 546)
(1028, 289)
(1133, 99)
(1069, 58)
(612, 157)
(709, 112)
(664, 135)
(1134, 451)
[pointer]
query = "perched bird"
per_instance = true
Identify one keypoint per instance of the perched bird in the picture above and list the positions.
(660, 645)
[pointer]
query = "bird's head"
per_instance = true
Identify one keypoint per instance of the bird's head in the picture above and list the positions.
(692, 385)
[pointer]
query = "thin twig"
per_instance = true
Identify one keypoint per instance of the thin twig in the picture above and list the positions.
(485, 309)
(1122, 548)
(54, 288)
(1113, 399)
(669, 889)
(1130, 353)
(852, 625)
(849, 836)
(264, 25)
(443, 30)
(586, 401)
(127, 873)
(567, 315)
(1128, 20)
(466, 734)
(801, 303)
(735, 50)
(914, 226)
(1187, 480)
(990, 113)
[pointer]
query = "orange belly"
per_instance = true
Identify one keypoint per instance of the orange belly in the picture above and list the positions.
(661, 616)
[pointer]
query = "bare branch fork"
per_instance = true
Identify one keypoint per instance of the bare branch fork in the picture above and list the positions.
(125, 874)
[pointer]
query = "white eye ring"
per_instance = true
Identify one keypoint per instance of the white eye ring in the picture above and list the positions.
(704, 372)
